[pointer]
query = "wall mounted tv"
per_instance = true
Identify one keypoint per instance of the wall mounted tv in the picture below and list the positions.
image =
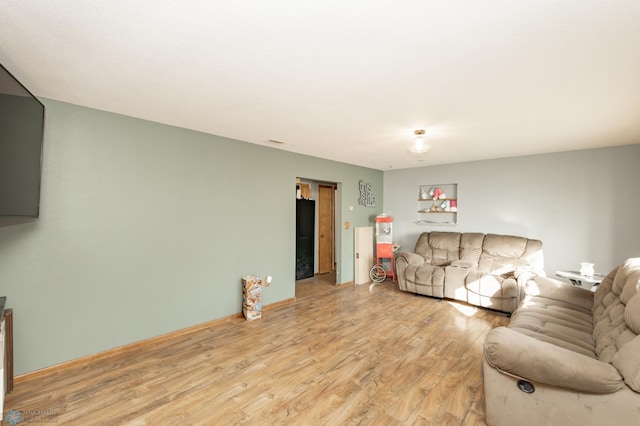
(21, 133)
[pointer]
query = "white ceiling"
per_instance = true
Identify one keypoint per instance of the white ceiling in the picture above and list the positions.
(346, 80)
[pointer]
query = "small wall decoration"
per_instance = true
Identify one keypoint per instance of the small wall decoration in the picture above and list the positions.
(366, 195)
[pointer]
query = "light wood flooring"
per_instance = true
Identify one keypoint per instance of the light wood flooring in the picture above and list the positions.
(359, 355)
(315, 285)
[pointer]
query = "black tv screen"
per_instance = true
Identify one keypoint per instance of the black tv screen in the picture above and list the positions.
(21, 133)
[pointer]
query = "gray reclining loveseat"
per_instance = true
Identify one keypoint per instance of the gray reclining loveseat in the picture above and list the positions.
(486, 270)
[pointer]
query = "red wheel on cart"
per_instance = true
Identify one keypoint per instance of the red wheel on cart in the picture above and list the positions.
(378, 273)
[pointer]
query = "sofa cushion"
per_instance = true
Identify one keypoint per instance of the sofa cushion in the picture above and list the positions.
(439, 248)
(556, 322)
(425, 279)
(627, 362)
(631, 286)
(504, 245)
(508, 350)
(501, 254)
(632, 314)
(489, 285)
(608, 329)
(628, 268)
(422, 246)
(445, 247)
(471, 247)
(614, 324)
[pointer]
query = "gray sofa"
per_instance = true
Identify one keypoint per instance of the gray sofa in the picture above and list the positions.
(569, 355)
(485, 270)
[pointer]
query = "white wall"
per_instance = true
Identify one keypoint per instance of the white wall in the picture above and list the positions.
(583, 205)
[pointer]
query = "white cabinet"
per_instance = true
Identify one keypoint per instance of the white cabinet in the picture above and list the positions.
(363, 254)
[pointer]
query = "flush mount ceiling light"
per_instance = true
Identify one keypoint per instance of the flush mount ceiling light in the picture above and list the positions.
(418, 145)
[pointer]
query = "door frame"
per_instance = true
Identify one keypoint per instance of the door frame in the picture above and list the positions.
(336, 217)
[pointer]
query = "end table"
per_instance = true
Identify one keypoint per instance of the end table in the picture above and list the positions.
(579, 280)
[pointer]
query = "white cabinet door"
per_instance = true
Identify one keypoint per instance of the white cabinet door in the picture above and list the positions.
(363, 254)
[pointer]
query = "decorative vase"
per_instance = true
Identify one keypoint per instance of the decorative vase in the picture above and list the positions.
(586, 269)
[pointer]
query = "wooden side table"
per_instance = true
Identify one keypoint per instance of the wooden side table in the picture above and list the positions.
(579, 280)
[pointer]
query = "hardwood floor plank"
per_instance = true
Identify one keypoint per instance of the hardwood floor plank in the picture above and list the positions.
(346, 356)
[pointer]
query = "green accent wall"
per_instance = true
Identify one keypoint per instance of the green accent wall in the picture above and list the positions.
(146, 228)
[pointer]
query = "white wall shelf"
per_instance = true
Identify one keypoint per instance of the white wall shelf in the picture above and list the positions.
(438, 205)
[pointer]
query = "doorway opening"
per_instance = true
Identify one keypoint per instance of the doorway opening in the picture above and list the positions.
(315, 236)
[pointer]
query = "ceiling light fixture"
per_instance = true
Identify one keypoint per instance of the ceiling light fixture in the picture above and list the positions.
(418, 145)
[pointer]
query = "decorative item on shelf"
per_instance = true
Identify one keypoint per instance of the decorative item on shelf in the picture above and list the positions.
(586, 269)
(446, 205)
(453, 206)
(434, 208)
(436, 193)
(423, 194)
(418, 145)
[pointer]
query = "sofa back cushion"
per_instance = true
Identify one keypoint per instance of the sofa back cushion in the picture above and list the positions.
(627, 359)
(471, 247)
(616, 312)
(439, 248)
(503, 254)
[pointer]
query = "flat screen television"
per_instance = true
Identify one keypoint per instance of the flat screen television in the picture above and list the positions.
(21, 134)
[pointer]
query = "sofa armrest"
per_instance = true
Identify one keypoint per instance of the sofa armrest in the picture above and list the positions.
(410, 258)
(523, 274)
(559, 290)
(524, 356)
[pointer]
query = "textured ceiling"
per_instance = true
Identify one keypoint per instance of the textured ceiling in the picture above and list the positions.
(346, 80)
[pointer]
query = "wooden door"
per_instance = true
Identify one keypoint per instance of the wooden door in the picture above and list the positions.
(325, 229)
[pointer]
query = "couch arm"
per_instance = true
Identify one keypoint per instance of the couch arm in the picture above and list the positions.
(403, 260)
(523, 356)
(410, 258)
(559, 290)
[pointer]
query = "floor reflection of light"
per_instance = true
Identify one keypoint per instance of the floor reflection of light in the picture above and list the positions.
(464, 309)
(373, 285)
